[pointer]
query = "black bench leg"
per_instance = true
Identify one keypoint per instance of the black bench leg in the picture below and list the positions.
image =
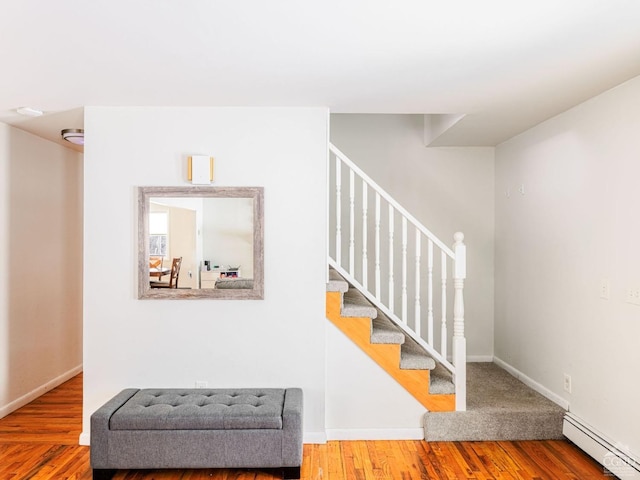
(291, 473)
(103, 474)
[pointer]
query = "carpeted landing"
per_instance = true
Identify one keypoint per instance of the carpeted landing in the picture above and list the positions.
(499, 407)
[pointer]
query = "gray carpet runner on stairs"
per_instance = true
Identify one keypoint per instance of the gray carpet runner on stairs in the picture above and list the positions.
(499, 406)
(383, 330)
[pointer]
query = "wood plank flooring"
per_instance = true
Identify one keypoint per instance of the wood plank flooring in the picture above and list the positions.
(39, 441)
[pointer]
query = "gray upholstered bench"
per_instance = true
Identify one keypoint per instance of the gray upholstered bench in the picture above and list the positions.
(198, 428)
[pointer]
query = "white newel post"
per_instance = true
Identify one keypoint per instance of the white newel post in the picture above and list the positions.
(459, 345)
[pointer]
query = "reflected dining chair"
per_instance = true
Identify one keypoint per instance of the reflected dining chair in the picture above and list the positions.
(173, 276)
(155, 262)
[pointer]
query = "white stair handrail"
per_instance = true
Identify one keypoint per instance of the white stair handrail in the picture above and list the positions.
(390, 199)
(397, 258)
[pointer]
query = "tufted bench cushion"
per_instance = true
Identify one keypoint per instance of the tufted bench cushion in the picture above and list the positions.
(201, 409)
(198, 428)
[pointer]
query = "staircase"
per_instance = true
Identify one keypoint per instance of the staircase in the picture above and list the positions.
(403, 307)
(395, 305)
(396, 352)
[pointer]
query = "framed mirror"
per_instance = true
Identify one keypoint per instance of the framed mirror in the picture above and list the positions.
(200, 242)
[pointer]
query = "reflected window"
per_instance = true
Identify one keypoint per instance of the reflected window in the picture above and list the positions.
(158, 233)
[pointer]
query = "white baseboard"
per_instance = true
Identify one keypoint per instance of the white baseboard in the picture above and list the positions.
(38, 391)
(314, 437)
(337, 434)
(376, 434)
(85, 439)
(480, 358)
(557, 399)
(614, 457)
(308, 437)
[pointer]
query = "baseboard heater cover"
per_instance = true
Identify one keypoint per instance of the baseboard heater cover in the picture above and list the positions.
(614, 458)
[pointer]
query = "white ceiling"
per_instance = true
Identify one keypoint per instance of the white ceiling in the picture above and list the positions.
(506, 64)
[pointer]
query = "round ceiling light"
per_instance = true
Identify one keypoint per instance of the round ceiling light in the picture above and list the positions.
(73, 135)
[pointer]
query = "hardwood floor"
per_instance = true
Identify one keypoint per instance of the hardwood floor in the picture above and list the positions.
(39, 441)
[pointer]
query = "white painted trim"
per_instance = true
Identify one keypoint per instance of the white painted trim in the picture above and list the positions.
(480, 359)
(85, 439)
(383, 193)
(319, 438)
(39, 391)
(475, 358)
(614, 457)
(376, 434)
(542, 390)
(308, 437)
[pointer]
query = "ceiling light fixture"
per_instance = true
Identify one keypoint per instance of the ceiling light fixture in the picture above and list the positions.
(29, 111)
(73, 135)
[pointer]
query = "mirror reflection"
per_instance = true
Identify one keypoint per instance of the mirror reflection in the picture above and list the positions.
(201, 242)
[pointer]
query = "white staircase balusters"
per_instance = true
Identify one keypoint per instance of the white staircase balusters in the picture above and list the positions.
(377, 246)
(338, 211)
(417, 315)
(430, 292)
(365, 260)
(404, 269)
(391, 300)
(352, 222)
(386, 250)
(444, 339)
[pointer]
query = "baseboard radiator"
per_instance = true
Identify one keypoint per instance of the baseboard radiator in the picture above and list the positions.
(616, 459)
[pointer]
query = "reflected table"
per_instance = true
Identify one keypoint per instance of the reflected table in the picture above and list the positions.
(159, 272)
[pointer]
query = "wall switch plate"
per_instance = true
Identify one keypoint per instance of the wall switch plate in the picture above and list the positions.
(201, 384)
(605, 289)
(633, 295)
(521, 189)
(567, 383)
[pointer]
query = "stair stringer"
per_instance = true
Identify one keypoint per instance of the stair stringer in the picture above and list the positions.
(387, 356)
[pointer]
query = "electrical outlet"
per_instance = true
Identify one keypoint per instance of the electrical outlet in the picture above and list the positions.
(201, 384)
(567, 383)
(521, 189)
(633, 295)
(605, 289)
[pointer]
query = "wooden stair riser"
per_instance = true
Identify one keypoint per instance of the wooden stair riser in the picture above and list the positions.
(416, 382)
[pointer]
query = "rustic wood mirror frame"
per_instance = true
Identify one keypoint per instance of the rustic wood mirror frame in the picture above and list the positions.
(255, 193)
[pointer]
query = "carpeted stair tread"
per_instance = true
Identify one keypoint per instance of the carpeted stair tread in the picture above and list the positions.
(499, 407)
(413, 356)
(336, 282)
(384, 330)
(355, 304)
(441, 381)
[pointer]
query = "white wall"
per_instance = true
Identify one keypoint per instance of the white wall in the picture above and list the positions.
(41, 259)
(363, 401)
(448, 189)
(576, 224)
(278, 341)
(227, 227)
